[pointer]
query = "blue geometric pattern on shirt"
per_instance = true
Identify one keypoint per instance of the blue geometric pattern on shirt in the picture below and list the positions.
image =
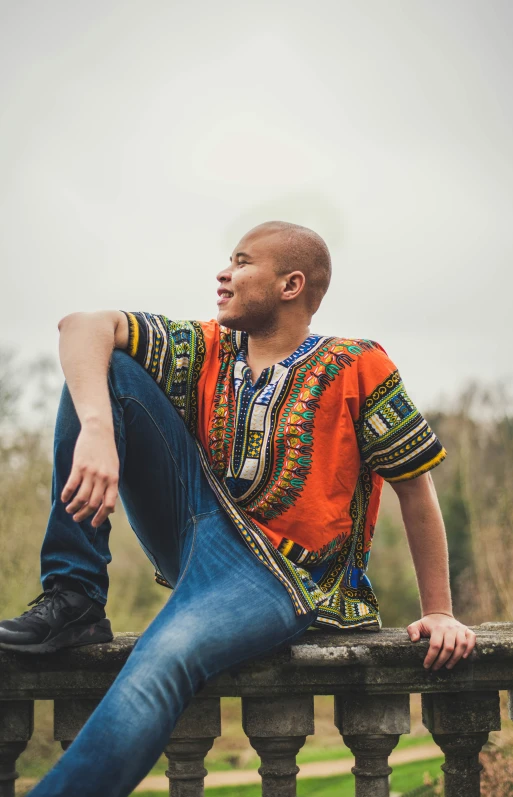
(237, 487)
(388, 415)
(256, 407)
(401, 404)
(266, 394)
(246, 396)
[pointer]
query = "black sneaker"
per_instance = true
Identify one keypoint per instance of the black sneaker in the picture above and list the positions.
(61, 618)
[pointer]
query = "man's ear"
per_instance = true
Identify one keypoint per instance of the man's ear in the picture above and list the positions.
(294, 284)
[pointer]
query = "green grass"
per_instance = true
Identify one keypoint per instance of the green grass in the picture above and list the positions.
(410, 776)
(404, 778)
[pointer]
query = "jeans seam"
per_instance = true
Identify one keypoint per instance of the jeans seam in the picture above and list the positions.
(133, 398)
(141, 542)
(117, 434)
(193, 545)
(191, 520)
(207, 514)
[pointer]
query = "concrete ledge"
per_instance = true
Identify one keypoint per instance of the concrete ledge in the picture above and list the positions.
(319, 663)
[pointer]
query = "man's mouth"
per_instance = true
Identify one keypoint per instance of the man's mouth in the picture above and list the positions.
(224, 296)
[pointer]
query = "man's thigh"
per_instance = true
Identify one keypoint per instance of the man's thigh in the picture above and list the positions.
(227, 607)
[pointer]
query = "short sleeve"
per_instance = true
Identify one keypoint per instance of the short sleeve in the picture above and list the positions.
(394, 439)
(173, 353)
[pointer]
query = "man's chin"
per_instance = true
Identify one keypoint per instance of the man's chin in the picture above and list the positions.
(231, 322)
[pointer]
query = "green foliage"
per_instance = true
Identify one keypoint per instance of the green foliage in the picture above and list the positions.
(457, 524)
(392, 575)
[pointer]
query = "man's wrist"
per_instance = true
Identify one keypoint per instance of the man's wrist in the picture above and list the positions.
(96, 421)
(449, 614)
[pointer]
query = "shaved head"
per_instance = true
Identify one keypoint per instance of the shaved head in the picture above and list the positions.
(297, 248)
(277, 277)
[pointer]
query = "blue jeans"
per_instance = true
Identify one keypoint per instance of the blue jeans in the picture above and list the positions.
(226, 606)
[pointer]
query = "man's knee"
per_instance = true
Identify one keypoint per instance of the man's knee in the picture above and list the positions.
(124, 372)
(122, 361)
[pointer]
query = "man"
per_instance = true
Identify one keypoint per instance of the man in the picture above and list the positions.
(250, 455)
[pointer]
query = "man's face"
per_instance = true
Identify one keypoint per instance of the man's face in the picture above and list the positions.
(249, 288)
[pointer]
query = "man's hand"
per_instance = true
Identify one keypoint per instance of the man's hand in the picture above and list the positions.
(94, 473)
(450, 639)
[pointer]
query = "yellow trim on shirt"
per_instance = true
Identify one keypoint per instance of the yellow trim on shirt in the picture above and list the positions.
(287, 547)
(423, 468)
(134, 336)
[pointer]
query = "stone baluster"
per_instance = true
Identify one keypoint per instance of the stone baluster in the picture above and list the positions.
(277, 728)
(68, 718)
(16, 727)
(460, 724)
(192, 738)
(371, 726)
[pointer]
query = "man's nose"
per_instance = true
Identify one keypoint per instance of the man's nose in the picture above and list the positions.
(224, 276)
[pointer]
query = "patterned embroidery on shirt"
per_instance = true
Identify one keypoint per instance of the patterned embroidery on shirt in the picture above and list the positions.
(295, 431)
(351, 598)
(394, 438)
(222, 425)
(173, 353)
(259, 409)
(303, 556)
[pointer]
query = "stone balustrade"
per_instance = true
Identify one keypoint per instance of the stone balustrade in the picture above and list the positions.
(371, 676)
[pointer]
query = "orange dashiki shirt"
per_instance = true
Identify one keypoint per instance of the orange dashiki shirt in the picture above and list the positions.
(297, 460)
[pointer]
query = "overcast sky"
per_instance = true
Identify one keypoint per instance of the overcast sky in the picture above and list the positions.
(140, 140)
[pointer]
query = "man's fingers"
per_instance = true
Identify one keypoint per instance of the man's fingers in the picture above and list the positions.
(94, 501)
(108, 506)
(435, 646)
(101, 516)
(82, 497)
(459, 648)
(471, 642)
(71, 485)
(413, 632)
(449, 644)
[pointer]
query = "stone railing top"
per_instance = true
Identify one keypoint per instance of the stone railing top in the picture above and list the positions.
(319, 663)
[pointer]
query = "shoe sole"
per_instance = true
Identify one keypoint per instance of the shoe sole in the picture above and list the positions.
(71, 637)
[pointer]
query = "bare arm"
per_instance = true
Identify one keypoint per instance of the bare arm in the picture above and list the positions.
(85, 348)
(427, 541)
(450, 640)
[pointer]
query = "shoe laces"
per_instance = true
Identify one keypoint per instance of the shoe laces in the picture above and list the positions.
(43, 601)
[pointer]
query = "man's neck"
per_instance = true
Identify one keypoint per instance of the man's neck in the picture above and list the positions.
(271, 348)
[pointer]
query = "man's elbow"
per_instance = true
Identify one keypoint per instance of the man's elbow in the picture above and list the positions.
(65, 319)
